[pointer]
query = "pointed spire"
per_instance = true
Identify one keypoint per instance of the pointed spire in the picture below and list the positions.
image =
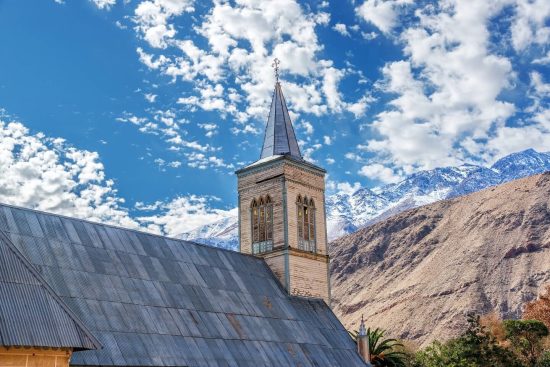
(362, 328)
(279, 134)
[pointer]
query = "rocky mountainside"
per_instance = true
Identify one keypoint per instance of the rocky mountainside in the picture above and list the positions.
(419, 272)
(348, 212)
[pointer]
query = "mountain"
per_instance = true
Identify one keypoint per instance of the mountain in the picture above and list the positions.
(222, 233)
(347, 212)
(425, 187)
(419, 272)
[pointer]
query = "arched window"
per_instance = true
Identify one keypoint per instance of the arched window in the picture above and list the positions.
(261, 212)
(306, 223)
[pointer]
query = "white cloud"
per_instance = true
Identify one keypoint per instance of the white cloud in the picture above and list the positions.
(183, 214)
(242, 39)
(246, 129)
(152, 19)
(48, 174)
(379, 172)
(543, 60)
(308, 150)
(382, 13)
(530, 23)
(104, 4)
(369, 36)
(166, 124)
(342, 29)
(534, 132)
(203, 161)
(211, 129)
(150, 97)
(346, 188)
(307, 127)
(330, 161)
(447, 102)
(327, 140)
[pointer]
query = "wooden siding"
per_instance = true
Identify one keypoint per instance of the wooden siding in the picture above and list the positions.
(308, 276)
(308, 273)
(32, 357)
(268, 182)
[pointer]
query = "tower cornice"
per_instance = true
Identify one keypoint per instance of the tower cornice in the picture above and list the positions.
(273, 161)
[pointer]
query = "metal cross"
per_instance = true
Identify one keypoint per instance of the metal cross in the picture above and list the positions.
(275, 66)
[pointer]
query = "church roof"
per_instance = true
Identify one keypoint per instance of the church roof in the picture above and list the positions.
(157, 301)
(279, 134)
(31, 314)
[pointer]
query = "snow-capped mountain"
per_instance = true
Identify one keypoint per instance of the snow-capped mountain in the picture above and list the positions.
(348, 212)
(222, 233)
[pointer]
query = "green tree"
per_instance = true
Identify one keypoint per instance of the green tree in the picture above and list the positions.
(544, 359)
(526, 337)
(476, 347)
(384, 352)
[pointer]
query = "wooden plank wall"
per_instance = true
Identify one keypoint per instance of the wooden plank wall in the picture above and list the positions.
(33, 357)
(308, 273)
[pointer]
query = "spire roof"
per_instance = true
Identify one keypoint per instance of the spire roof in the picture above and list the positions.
(279, 134)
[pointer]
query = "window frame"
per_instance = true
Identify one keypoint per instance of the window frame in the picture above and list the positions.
(261, 225)
(306, 224)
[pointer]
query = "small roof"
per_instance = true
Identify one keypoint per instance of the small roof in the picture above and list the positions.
(279, 134)
(157, 301)
(31, 314)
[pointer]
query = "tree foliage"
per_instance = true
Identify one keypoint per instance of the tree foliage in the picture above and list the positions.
(476, 347)
(384, 352)
(486, 342)
(539, 309)
(526, 338)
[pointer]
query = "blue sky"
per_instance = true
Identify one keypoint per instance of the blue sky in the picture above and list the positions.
(138, 112)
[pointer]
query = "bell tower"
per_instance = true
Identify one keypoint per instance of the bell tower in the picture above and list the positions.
(282, 208)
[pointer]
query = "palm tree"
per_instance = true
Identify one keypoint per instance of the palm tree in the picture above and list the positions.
(383, 352)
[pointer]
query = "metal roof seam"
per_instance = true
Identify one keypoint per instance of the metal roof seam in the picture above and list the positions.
(52, 293)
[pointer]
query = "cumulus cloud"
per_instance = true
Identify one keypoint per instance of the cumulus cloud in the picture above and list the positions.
(381, 13)
(534, 132)
(242, 39)
(48, 174)
(307, 127)
(342, 29)
(104, 4)
(152, 19)
(380, 173)
(150, 97)
(530, 23)
(447, 103)
(183, 214)
(210, 129)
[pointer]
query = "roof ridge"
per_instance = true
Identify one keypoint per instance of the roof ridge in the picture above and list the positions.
(126, 229)
(285, 109)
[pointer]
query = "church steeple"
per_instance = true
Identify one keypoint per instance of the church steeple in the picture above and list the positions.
(282, 208)
(279, 134)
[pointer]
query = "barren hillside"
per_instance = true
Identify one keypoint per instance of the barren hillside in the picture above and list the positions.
(418, 273)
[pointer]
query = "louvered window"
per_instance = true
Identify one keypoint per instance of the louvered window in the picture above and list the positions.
(261, 212)
(306, 223)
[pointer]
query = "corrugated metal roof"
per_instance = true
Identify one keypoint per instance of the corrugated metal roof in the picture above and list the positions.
(156, 301)
(280, 138)
(31, 314)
